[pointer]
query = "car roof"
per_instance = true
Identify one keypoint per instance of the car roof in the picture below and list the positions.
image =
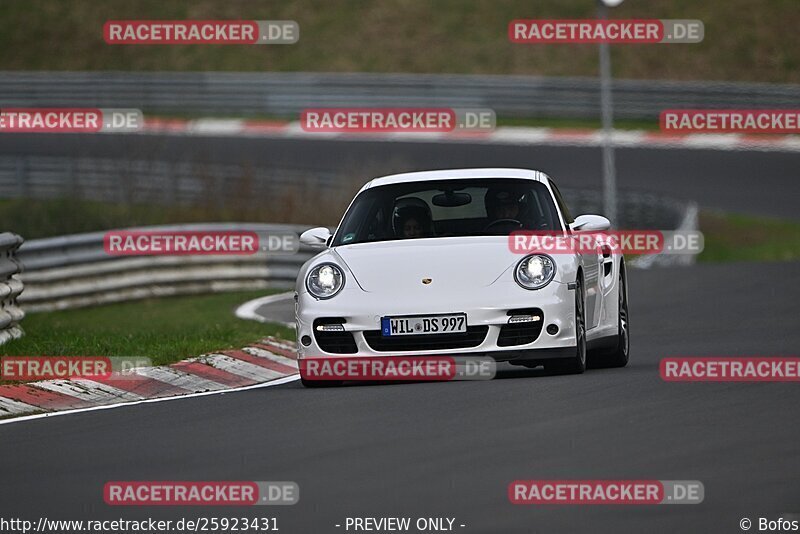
(455, 174)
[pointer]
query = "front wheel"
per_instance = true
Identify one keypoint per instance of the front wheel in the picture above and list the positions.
(311, 383)
(320, 383)
(577, 363)
(619, 355)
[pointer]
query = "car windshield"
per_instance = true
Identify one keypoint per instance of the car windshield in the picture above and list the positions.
(448, 208)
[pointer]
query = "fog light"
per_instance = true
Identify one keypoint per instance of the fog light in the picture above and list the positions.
(330, 328)
(524, 319)
(552, 329)
(305, 340)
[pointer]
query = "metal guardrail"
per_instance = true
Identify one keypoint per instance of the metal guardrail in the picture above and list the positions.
(75, 271)
(10, 288)
(286, 94)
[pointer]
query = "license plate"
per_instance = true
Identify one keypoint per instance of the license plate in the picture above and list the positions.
(424, 324)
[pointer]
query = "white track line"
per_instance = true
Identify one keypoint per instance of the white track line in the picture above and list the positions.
(147, 401)
(248, 309)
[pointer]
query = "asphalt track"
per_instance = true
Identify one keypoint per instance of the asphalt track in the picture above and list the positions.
(451, 449)
(750, 182)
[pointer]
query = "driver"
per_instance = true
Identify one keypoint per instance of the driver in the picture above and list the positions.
(411, 219)
(411, 227)
(504, 204)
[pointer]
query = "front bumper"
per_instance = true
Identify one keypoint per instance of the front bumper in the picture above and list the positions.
(486, 309)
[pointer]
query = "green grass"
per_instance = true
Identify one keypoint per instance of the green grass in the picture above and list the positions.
(730, 237)
(33, 218)
(578, 124)
(164, 330)
(743, 40)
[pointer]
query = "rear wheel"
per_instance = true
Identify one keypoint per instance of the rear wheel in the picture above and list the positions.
(577, 363)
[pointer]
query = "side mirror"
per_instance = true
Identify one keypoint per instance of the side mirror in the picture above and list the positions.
(584, 223)
(315, 237)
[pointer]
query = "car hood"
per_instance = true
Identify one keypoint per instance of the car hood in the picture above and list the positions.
(451, 263)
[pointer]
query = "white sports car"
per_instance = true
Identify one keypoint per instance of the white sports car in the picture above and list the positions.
(421, 264)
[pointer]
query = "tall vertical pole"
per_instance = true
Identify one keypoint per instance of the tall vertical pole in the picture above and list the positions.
(607, 111)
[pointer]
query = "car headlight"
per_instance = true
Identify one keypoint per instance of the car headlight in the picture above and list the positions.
(325, 281)
(535, 271)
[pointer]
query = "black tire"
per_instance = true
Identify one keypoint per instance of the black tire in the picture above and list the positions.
(577, 363)
(311, 383)
(320, 383)
(620, 354)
